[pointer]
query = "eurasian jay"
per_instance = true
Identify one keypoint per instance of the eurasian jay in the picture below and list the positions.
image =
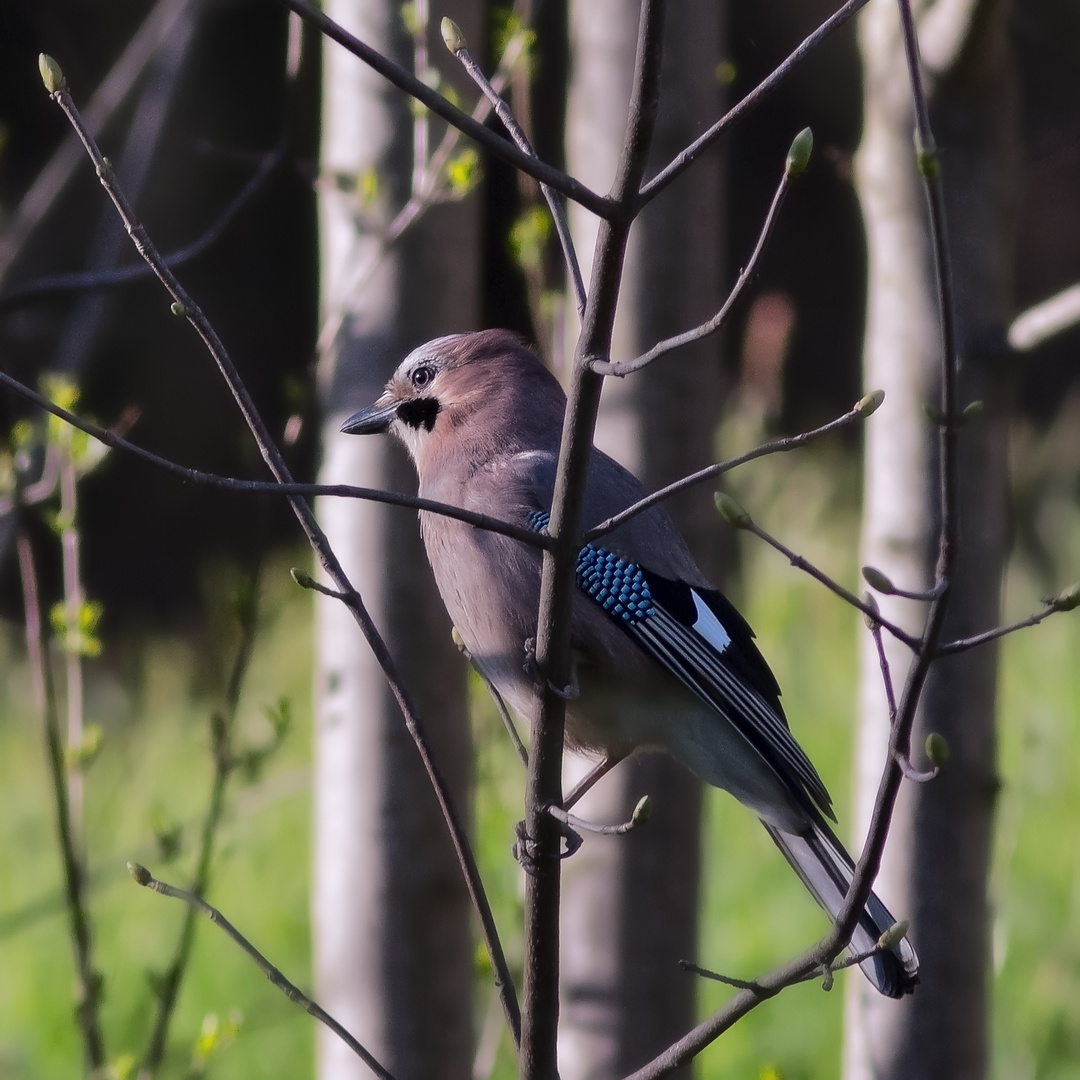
(663, 660)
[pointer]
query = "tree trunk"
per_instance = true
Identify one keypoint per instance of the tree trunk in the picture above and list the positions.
(936, 866)
(630, 902)
(393, 959)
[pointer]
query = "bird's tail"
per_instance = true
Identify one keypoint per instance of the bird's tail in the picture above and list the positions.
(826, 869)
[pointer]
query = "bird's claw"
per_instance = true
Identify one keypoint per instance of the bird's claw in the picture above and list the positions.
(526, 850)
(532, 669)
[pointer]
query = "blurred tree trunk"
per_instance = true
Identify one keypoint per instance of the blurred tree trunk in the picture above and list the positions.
(392, 952)
(630, 902)
(936, 867)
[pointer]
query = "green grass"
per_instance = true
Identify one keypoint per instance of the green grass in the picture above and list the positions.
(153, 697)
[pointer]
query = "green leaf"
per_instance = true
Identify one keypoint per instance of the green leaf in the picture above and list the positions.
(528, 236)
(463, 172)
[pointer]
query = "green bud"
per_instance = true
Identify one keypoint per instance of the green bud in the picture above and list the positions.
(894, 935)
(452, 36)
(798, 156)
(871, 602)
(1069, 598)
(455, 634)
(51, 75)
(929, 164)
(936, 748)
(828, 980)
(933, 414)
(972, 411)
(731, 511)
(140, 873)
(870, 404)
(302, 578)
(643, 810)
(178, 309)
(877, 580)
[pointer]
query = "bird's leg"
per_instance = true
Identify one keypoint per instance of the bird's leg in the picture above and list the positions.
(598, 772)
(532, 669)
(524, 848)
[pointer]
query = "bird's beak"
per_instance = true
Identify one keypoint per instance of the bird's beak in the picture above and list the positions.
(373, 420)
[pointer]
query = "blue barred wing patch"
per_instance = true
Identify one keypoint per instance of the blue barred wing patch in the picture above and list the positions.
(687, 636)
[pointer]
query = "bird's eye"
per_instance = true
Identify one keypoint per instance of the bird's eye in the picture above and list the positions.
(422, 376)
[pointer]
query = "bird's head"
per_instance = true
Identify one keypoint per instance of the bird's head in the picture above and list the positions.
(480, 392)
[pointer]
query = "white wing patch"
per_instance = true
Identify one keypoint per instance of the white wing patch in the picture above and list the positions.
(708, 625)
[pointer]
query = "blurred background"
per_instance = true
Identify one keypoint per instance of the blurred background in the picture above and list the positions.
(213, 115)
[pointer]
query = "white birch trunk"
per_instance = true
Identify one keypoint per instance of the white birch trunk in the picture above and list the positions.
(392, 952)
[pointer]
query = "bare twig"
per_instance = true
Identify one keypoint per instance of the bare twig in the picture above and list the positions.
(109, 96)
(225, 763)
(58, 284)
(497, 698)
(88, 980)
(639, 817)
(1067, 600)
(775, 446)
(291, 991)
(587, 782)
(503, 112)
(711, 326)
(183, 304)
(261, 487)
(682, 161)
(804, 564)
(500, 147)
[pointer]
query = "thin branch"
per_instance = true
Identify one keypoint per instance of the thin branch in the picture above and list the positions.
(711, 326)
(182, 303)
(500, 704)
(88, 980)
(262, 487)
(225, 763)
(109, 96)
(431, 191)
(639, 817)
(804, 564)
(749, 984)
(1066, 601)
(775, 446)
(587, 782)
(558, 211)
(58, 284)
(883, 661)
(143, 877)
(681, 162)
(500, 147)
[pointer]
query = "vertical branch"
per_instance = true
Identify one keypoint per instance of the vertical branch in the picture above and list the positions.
(541, 985)
(88, 981)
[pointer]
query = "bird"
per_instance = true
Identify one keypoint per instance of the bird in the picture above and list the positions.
(662, 660)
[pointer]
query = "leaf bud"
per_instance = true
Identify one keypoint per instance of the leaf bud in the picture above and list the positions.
(51, 75)
(643, 810)
(798, 156)
(878, 581)
(731, 511)
(870, 404)
(936, 748)
(1069, 598)
(452, 36)
(894, 935)
(140, 873)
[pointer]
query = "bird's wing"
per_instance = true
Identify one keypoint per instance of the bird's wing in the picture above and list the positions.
(702, 640)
